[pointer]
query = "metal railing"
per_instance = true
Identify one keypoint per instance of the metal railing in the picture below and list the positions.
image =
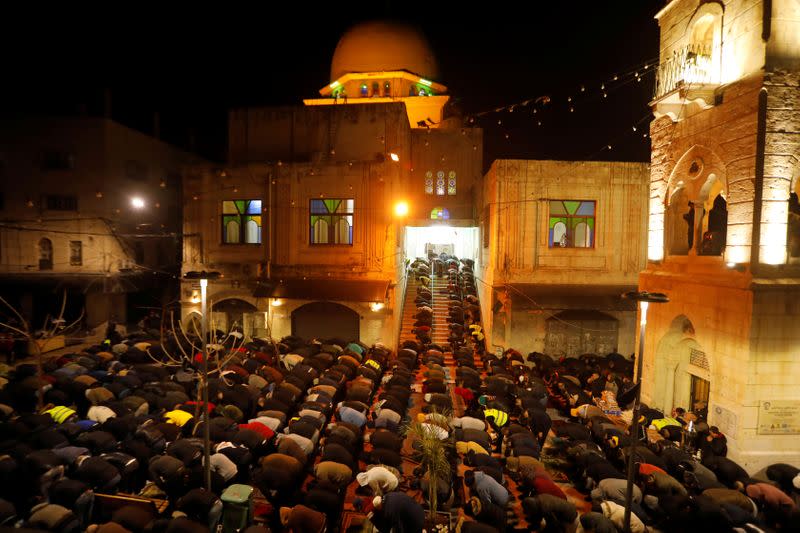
(690, 64)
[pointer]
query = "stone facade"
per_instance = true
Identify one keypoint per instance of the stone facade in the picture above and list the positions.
(287, 157)
(534, 282)
(731, 138)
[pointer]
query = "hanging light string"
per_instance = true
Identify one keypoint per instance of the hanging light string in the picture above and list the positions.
(582, 93)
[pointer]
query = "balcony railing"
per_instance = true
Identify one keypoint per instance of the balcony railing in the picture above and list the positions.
(691, 64)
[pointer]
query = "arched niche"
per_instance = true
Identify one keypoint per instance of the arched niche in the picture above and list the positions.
(681, 368)
(697, 179)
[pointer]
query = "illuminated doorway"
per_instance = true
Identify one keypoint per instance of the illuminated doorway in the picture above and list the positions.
(454, 240)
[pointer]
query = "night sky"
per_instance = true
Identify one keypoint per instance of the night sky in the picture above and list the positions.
(192, 67)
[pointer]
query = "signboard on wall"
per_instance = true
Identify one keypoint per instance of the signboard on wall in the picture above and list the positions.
(779, 417)
(725, 420)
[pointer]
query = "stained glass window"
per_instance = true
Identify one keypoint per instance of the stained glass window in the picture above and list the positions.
(429, 182)
(451, 183)
(241, 222)
(440, 213)
(440, 183)
(571, 224)
(331, 221)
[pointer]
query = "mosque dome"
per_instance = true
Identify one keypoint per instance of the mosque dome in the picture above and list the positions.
(383, 46)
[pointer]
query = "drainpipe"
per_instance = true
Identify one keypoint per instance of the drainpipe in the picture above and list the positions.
(761, 142)
(766, 22)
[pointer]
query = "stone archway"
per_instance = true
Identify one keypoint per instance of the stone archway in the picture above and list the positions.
(325, 320)
(679, 363)
(232, 313)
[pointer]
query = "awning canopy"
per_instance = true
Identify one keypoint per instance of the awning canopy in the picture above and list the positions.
(547, 296)
(348, 290)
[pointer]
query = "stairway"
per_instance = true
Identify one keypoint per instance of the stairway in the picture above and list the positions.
(439, 302)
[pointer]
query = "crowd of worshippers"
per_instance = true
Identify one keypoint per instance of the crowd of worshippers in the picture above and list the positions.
(463, 310)
(684, 480)
(287, 418)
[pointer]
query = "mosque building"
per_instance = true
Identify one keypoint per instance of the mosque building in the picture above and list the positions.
(723, 232)
(301, 221)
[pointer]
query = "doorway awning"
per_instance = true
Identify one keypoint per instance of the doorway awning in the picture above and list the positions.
(347, 290)
(558, 296)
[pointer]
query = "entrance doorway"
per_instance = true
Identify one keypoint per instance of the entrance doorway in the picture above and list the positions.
(700, 389)
(459, 241)
(682, 373)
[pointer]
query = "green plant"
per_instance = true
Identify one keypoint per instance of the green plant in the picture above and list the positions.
(433, 454)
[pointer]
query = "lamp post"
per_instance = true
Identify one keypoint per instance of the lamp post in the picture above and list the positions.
(645, 299)
(204, 277)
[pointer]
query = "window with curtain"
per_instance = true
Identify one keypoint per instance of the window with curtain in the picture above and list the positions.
(241, 222)
(331, 221)
(571, 224)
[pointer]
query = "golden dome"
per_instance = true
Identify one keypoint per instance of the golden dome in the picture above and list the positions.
(381, 46)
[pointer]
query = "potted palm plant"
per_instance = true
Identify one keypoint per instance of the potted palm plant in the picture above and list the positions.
(433, 455)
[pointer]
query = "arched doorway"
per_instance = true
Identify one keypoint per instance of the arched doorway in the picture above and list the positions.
(325, 320)
(682, 370)
(234, 313)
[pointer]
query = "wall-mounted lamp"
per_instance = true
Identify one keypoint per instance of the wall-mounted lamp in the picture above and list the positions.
(276, 302)
(739, 267)
(195, 299)
(401, 209)
(376, 306)
(137, 202)
(394, 157)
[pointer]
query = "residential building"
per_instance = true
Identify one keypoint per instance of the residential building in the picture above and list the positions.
(92, 208)
(561, 241)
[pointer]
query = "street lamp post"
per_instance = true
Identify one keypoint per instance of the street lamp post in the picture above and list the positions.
(203, 277)
(645, 299)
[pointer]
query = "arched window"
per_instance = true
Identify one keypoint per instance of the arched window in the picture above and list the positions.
(320, 233)
(429, 182)
(232, 231)
(45, 254)
(440, 213)
(582, 235)
(376, 89)
(571, 223)
(704, 52)
(680, 223)
(440, 183)
(560, 234)
(343, 231)
(714, 237)
(252, 231)
(331, 221)
(387, 89)
(451, 183)
(364, 90)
